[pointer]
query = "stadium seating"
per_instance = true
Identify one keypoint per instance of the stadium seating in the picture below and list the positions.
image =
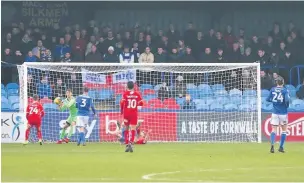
(236, 100)
(216, 107)
(180, 101)
(157, 87)
(45, 101)
(169, 101)
(265, 93)
(191, 86)
(235, 92)
(230, 107)
(205, 93)
(92, 94)
(4, 99)
(105, 94)
(292, 93)
(3, 93)
(220, 93)
(249, 93)
(222, 100)
(145, 86)
(194, 93)
(15, 106)
(118, 99)
(50, 107)
(155, 103)
(13, 99)
(245, 107)
(217, 87)
(267, 107)
(203, 87)
(290, 87)
(149, 97)
(149, 92)
(118, 88)
(297, 102)
(298, 87)
(12, 86)
(202, 106)
(12, 92)
(2, 87)
(5, 106)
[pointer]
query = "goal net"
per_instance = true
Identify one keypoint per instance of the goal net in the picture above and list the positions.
(182, 102)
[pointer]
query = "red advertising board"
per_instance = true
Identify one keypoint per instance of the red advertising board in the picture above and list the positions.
(162, 124)
(295, 128)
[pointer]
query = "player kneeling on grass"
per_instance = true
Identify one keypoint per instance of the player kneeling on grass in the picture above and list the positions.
(34, 114)
(84, 103)
(129, 105)
(70, 104)
(279, 98)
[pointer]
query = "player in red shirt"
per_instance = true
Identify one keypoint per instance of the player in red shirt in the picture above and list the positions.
(34, 114)
(129, 105)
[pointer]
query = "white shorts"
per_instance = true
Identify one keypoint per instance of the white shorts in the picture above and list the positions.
(82, 121)
(277, 119)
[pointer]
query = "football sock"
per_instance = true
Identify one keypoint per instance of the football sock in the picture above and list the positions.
(62, 134)
(126, 136)
(283, 138)
(70, 133)
(39, 134)
(27, 134)
(132, 136)
(80, 138)
(272, 138)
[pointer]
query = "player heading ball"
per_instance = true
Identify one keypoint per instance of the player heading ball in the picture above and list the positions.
(279, 98)
(129, 104)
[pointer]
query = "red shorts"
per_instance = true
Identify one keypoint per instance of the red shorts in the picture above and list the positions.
(37, 124)
(130, 120)
(140, 141)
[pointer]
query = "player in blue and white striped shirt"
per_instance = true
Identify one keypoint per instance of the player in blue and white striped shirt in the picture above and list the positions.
(279, 98)
(84, 103)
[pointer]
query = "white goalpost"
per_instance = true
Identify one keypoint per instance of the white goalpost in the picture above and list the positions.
(200, 102)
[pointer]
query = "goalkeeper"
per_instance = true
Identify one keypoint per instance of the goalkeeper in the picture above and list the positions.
(70, 104)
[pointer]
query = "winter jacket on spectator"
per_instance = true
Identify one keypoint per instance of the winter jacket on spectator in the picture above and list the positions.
(66, 59)
(160, 58)
(44, 90)
(93, 57)
(174, 58)
(37, 51)
(47, 57)
(136, 54)
(26, 45)
(163, 93)
(111, 58)
(190, 36)
(188, 58)
(300, 92)
(179, 89)
(7, 56)
(173, 36)
(198, 47)
(78, 49)
(31, 59)
(207, 57)
(146, 58)
(229, 39)
(110, 42)
(234, 56)
(220, 58)
(266, 82)
(288, 60)
(61, 50)
(189, 104)
(18, 59)
(126, 57)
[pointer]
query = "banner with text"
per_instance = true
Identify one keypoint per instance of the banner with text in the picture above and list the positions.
(295, 127)
(124, 76)
(161, 124)
(211, 126)
(12, 127)
(44, 14)
(93, 78)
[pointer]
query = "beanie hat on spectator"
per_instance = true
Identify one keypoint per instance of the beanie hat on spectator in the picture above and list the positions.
(111, 48)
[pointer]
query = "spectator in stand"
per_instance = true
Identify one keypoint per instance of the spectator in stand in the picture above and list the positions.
(207, 56)
(18, 58)
(111, 56)
(235, 54)
(163, 92)
(46, 56)
(56, 32)
(135, 52)
(189, 104)
(180, 88)
(90, 44)
(275, 76)
(44, 89)
(84, 35)
(242, 33)
(165, 44)
(118, 37)
(122, 29)
(75, 84)
(31, 86)
(291, 27)
(229, 37)
(7, 56)
(110, 41)
(219, 41)
(60, 88)
(46, 41)
(261, 58)
(247, 80)
(61, 49)
(173, 35)
(149, 43)
(220, 56)
(118, 48)
(101, 46)
(66, 58)
(141, 42)
(78, 48)
(188, 56)
(242, 46)
(26, 44)
(199, 45)
(190, 35)
(282, 50)
(8, 42)
(38, 49)
(255, 45)
(127, 41)
(266, 81)
(146, 57)
(126, 56)
(300, 92)
(148, 30)
(135, 32)
(160, 56)
(93, 56)
(96, 32)
(276, 34)
(247, 57)
(211, 40)
(175, 56)
(67, 39)
(68, 30)
(274, 60)
(289, 61)
(297, 45)
(31, 57)
(269, 46)
(158, 38)
(181, 47)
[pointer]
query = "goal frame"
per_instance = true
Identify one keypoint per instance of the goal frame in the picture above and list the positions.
(26, 65)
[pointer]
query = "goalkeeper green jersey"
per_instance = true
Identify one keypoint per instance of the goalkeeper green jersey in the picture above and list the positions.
(70, 104)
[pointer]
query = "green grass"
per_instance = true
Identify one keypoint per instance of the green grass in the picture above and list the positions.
(168, 162)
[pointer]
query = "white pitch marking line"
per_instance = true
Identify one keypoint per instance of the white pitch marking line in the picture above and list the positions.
(149, 176)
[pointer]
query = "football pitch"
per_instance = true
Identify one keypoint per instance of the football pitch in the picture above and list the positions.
(178, 162)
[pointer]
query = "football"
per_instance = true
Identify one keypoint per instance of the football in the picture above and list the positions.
(57, 100)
